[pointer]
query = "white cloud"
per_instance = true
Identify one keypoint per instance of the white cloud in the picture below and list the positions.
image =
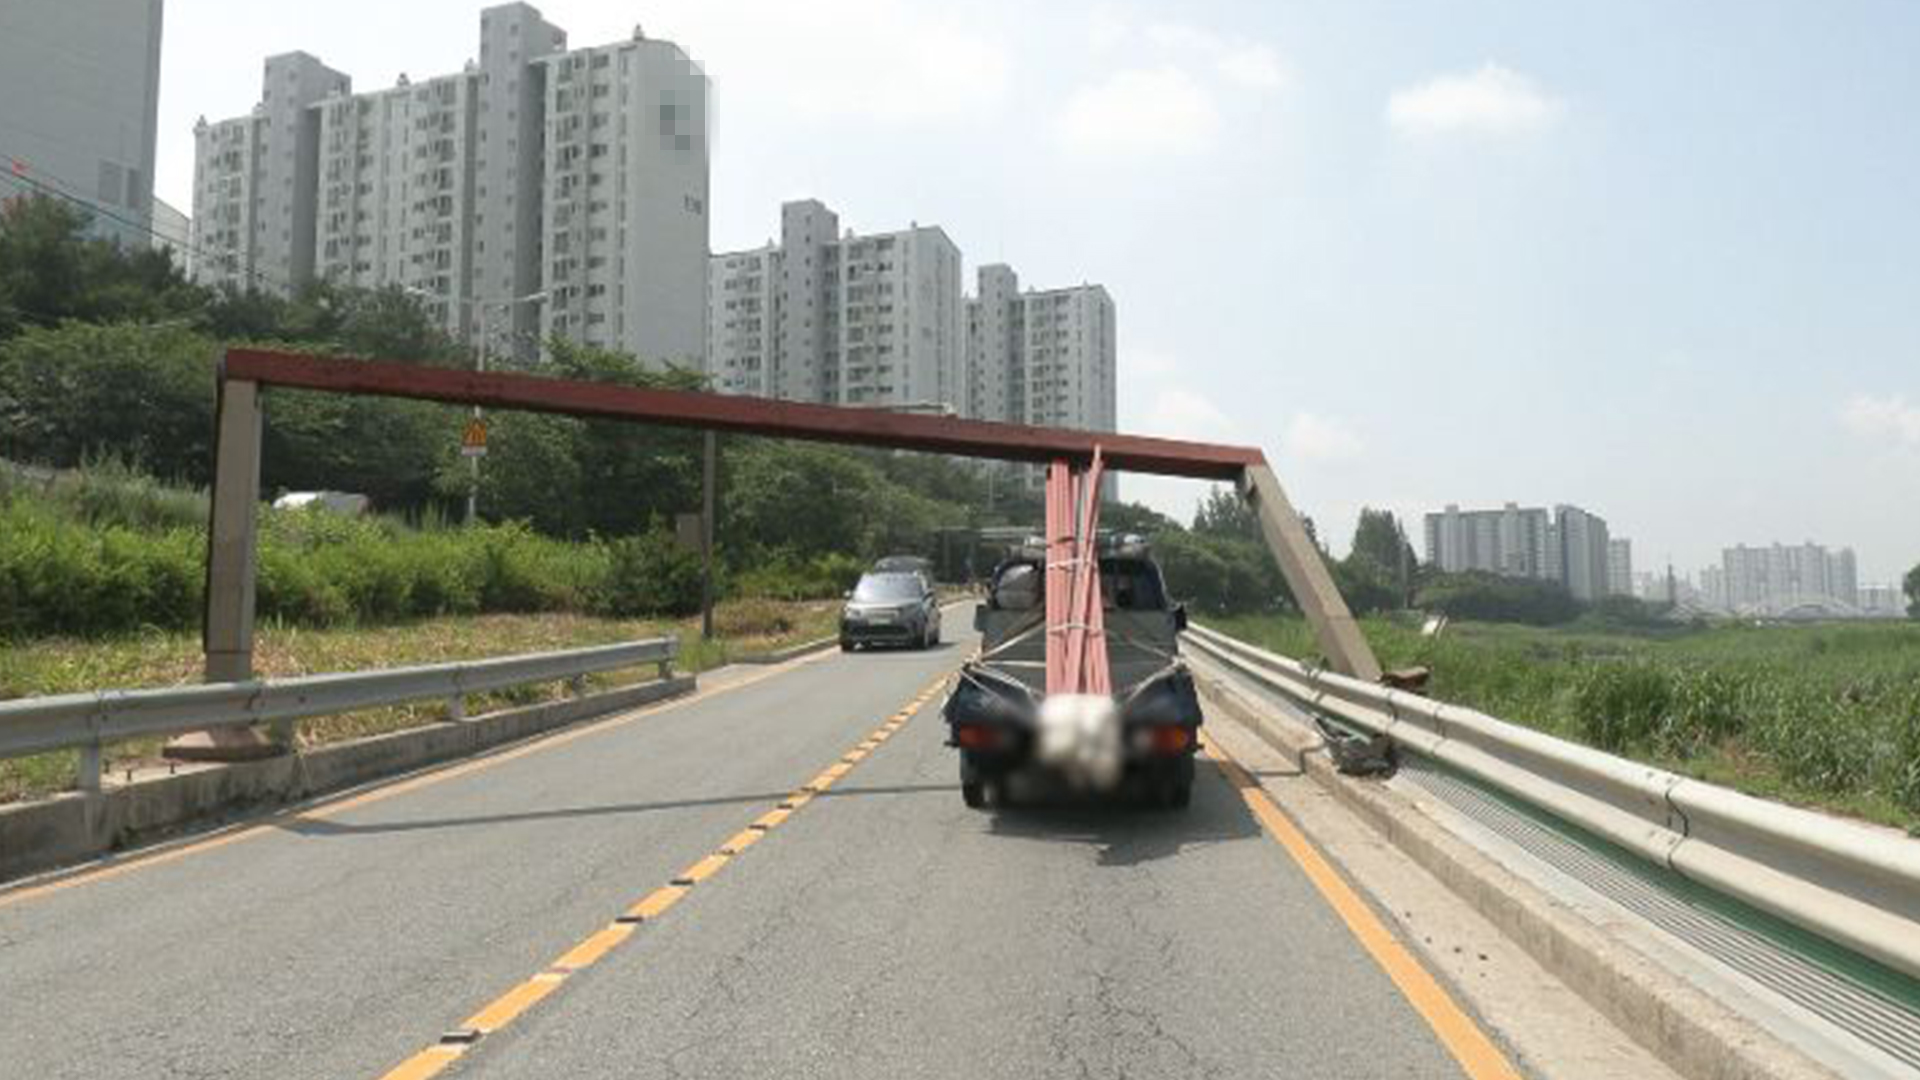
(1140, 112)
(1247, 64)
(1179, 412)
(1888, 417)
(1167, 35)
(1310, 436)
(1256, 67)
(1494, 100)
(824, 59)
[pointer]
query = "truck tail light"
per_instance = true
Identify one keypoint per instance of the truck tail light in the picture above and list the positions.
(976, 737)
(1170, 739)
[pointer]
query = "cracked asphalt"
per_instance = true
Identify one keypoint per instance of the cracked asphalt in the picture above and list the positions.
(884, 931)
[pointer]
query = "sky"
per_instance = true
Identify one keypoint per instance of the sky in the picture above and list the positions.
(1660, 261)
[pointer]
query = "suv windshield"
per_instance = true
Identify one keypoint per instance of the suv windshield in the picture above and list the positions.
(879, 588)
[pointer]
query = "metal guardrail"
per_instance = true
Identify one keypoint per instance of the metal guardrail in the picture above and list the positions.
(1853, 884)
(88, 721)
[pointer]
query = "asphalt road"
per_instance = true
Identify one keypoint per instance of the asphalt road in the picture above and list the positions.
(883, 931)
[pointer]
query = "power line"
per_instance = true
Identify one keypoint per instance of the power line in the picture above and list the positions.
(58, 190)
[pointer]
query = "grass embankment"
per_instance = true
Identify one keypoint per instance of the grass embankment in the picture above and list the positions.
(66, 665)
(105, 551)
(1825, 715)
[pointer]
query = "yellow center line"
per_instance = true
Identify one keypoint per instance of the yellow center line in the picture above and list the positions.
(1457, 1032)
(590, 950)
(328, 809)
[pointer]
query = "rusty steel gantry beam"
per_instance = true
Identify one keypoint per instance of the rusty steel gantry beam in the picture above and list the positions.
(228, 627)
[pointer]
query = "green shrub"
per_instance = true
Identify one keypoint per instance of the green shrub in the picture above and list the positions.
(783, 575)
(1708, 708)
(651, 574)
(1905, 779)
(1620, 706)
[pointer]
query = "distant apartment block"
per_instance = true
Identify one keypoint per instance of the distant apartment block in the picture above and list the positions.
(538, 191)
(1620, 566)
(173, 234)
(1567, 545)
(1882, 601)
(1512, 542)
(837, 318)
(1045, 357)
(1780, 578)
(79, 94)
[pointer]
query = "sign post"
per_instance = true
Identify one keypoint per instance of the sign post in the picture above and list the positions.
(473, 447)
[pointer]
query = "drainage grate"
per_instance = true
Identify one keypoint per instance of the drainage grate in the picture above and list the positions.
(1879, 1006)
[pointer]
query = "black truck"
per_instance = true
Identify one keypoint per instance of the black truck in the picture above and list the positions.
(1142, 741)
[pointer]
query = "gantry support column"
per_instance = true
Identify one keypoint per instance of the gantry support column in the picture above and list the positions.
(227, 629)
(1306, 573)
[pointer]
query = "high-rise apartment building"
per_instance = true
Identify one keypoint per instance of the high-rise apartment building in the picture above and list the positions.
(173, 234)
(1512, 541)
(1771, 580)
(1582, 540)
(79, 94)
(624, 204)
(1056, 367)
(1567, 545)
(1620, 566)
(255, 180)
(538, 191)
(743, 337)
(1045, 357)
(840, 318)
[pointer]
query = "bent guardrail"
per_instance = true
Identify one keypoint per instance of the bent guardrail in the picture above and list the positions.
(1853, 884)
(89, 721)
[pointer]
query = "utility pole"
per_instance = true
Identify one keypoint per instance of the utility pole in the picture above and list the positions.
(706, 537)
(473, 461)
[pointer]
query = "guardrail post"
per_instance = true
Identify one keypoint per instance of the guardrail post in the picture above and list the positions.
(577, 686)
(1307, 576)
(457, 707)
(88, 779)
(227, 630)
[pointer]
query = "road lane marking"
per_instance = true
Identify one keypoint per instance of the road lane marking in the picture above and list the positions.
(510, 1006)
(702, 870)
(426, 1063)
(656, 903)
(327, 808)
(1476, 1054)
(588, 952)
(507, 1008)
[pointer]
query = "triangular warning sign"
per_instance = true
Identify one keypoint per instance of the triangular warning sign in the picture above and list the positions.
(473, 441)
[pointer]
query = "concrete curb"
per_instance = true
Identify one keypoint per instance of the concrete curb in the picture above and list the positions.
(69, 827)
(1692, 1032)
(791, 652)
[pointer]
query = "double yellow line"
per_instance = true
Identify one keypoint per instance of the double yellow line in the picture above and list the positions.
(590, 950)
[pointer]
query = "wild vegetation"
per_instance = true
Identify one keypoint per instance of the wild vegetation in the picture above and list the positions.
(1826, 715)
(58, 665)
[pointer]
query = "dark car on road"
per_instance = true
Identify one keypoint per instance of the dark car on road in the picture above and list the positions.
(994, 713)
(891, 608)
